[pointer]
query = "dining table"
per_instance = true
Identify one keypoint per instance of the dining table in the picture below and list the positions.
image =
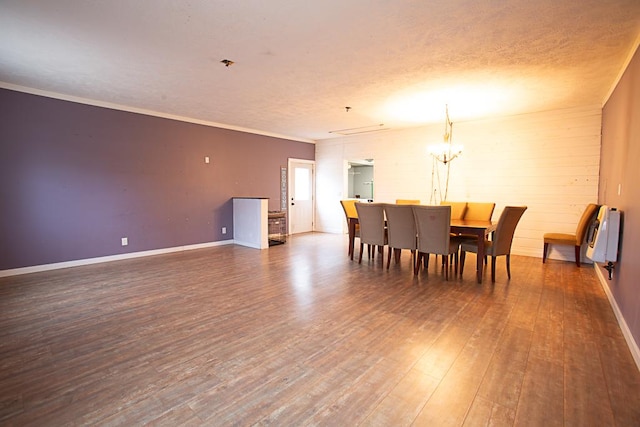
(480, 229)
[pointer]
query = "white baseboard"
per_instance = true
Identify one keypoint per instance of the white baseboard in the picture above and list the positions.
(87, 261)
(633, 345)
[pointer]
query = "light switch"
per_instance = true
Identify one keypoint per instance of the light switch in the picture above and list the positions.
(206, 159)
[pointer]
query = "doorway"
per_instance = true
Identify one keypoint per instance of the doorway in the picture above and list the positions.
(301, 195)
(360, 179)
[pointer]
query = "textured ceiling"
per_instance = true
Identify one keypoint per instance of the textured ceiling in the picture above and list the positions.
(299, 63)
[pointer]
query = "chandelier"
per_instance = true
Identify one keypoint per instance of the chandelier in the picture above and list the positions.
(443, 152)
(446, 151)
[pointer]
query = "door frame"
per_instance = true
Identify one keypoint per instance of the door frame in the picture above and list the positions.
(291, 160)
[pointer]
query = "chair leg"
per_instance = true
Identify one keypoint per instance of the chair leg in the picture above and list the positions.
(509, 266)
(361, 250)
(445, 259)
(577, 250)
(544, 252)
(450, 260)
(493, 269)
(389, 258)
(416, 268)
(463, 255)
(455, 260)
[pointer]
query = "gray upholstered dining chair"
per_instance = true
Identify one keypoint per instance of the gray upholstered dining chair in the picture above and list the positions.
(501, 243)
(401, 231)
(433, 225)
(458, 210)
(373, 231)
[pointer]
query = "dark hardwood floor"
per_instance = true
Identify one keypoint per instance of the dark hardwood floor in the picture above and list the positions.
(300, 335)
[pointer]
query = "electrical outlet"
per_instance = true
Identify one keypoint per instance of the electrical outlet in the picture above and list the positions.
(125, 241)
(206, 159)
(224, 230)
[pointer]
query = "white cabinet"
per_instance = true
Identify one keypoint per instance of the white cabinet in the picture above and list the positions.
(250, 222)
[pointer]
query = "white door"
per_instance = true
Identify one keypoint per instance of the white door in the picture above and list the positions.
(301, 185)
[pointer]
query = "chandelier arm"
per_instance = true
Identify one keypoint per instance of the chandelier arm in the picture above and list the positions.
(439, 182)
(433, 171)
(446, 188)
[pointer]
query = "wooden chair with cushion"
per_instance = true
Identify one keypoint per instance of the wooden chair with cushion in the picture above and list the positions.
(401, 231)
(575, 240)
(501, 243)
(479, 211)
(349, 207)
(407, 202)
(373, 231)
(433, 224)
(458, 209)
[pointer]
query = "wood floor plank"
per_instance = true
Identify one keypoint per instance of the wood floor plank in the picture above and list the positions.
(621, 385)
(503, 378)
(301, 335)
(456, 392)
(586, 400)
(485, 412)
(541, 401)
(403, 403)
(353, 404)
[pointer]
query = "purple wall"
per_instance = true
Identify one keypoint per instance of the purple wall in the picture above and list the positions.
(619, 165)
(75, 178)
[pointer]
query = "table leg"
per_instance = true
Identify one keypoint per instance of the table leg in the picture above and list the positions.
(480, 256)
(352, 236)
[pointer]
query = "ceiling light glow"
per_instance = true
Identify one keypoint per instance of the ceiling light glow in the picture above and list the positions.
(466, 101)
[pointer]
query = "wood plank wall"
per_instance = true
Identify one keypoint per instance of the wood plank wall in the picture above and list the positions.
(548, 161)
